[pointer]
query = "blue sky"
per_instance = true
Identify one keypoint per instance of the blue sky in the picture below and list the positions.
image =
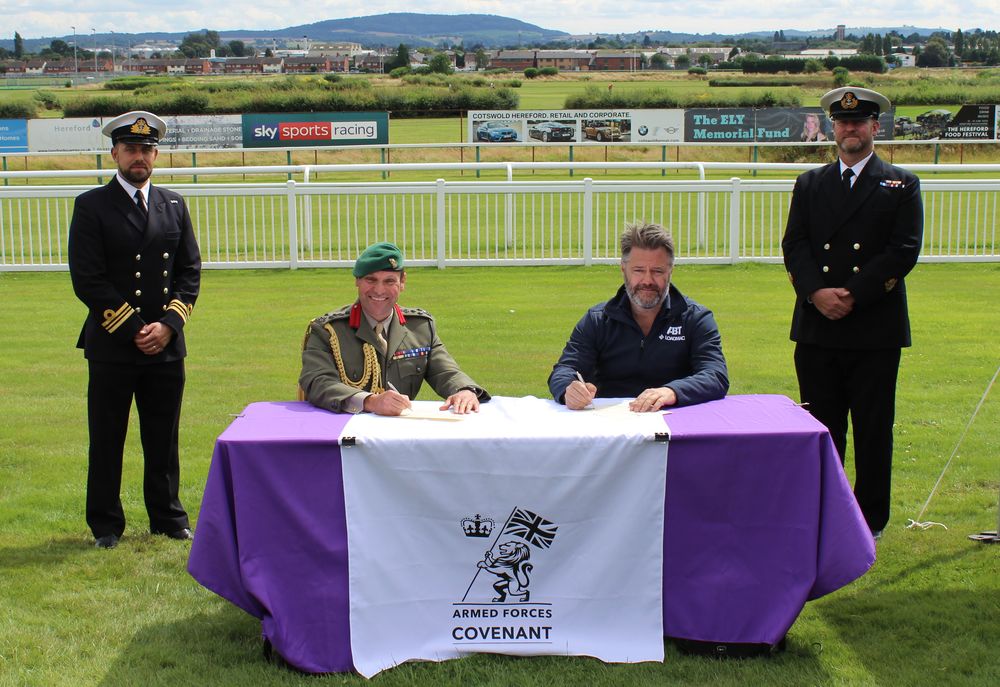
(46, 18)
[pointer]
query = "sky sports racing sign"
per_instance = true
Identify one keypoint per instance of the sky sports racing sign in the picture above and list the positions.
(296, 130)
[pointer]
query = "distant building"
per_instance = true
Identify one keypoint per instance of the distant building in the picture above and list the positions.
(514, 60)
(840, 32)
(904, 59)
(335, 49)
(565, 60)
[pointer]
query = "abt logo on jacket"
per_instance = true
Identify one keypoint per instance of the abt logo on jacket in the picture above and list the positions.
(672, 334)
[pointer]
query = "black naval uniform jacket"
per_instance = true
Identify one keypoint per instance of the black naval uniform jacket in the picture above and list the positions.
(130, 272)
(866, 240)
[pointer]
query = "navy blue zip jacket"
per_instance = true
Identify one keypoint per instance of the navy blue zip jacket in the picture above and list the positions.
(683, 350)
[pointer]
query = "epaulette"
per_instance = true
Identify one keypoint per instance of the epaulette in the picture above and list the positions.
(338, 314)
(419, 312)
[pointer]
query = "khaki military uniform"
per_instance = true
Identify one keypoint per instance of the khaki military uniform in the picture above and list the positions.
(340, 358)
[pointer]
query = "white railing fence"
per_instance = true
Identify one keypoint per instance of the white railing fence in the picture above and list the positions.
(489, 222)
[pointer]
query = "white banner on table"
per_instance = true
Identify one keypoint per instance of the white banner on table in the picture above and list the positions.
(524, 529)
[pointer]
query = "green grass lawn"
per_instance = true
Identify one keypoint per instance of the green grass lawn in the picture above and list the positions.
(927, 613)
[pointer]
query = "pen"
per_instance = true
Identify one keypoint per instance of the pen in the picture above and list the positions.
(391, 387)
(580, 377)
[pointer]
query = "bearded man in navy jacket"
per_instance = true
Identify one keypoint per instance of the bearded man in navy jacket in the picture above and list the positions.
(854, 232)
(649, 343)
(135, 264)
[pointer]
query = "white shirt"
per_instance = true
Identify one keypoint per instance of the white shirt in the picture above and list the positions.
(130, 189)
(856, 167)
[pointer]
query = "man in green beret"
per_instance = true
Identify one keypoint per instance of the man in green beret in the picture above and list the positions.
(372, 356)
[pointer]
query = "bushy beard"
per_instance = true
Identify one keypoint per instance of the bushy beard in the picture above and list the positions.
(645, 299)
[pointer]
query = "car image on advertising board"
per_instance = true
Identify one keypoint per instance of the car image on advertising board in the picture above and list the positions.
(602, 129)
(547, 131)
(495, 132)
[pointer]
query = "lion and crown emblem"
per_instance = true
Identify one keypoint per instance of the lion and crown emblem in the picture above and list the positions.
(511, 563)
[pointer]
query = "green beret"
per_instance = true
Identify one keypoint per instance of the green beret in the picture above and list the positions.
(377, 257)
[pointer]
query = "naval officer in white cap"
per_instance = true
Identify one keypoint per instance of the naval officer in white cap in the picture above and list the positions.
(135, 264)
(854, 232)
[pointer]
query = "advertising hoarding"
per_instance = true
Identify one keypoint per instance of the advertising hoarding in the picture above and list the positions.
(67, 135)
(576, 126)
(973, 122)
(187, 132)
(13, 136)
(293, 130)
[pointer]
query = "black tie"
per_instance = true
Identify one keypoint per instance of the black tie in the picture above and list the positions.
(140, 202)
(848, 173)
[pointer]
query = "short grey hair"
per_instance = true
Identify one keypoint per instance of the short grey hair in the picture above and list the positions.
(646, 236)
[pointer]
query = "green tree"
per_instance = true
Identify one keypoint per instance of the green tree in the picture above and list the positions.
(682, 62)
(658, 61)
(959, 40)
(440, 64)
(200, 44)
(840, 76)
(18, 46)
(934, 54)
(402, 58)
(482, 61)
(238, 49)
(59, 47)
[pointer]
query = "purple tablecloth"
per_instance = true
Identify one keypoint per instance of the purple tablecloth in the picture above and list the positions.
(759, 519)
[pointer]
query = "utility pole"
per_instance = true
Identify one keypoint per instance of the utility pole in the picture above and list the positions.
(112, 52)
(76, 65)
(93, 32)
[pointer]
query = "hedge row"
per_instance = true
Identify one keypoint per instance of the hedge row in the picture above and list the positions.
(940, 95)
(774, 65)
(594, 97)
(415, 101)
(18, 110)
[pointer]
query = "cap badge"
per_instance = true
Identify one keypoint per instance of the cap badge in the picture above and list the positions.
(849, 101)
(140, 127)
(392, 263)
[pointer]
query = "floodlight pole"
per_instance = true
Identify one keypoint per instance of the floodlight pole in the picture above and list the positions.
(76, 65)
(93, 32)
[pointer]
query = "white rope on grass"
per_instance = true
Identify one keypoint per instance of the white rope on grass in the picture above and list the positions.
(917, 524)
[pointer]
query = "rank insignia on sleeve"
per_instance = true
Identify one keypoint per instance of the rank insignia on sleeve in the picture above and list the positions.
(889, 285)
(891, 183)
(113, 319)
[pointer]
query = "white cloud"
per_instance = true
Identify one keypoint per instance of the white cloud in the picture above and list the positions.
(45, 18)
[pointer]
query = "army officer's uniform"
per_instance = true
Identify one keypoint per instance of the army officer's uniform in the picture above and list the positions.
(341, 359)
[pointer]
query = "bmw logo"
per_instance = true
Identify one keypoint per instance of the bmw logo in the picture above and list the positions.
(643, 130)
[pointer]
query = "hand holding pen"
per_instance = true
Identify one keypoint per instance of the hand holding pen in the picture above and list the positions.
(580, 394)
